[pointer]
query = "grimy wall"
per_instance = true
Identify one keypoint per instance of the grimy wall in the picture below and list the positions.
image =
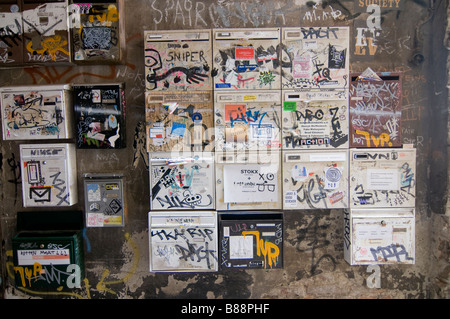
(412, 39)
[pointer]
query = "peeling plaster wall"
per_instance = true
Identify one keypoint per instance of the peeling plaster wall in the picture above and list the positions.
(116, 259)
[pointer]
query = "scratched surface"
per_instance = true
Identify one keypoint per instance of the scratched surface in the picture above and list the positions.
(117, 259)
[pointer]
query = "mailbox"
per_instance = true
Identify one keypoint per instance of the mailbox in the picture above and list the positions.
(100, 115)
(312, 122)
(251, 240)
(183, 241)
(46, 32)
(97, 31)
(41, 112)
(248, 120)
(183, 181)
(382, 178)
(247, 59)
(315, 179)
(379, 236)
(103, 200)
(248, 180)
(48, 250)
(178, 60)
(179, 121)
(49, 175)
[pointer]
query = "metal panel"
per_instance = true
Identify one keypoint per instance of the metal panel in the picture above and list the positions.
(183, 181)
(247, 59)
(49, 177)
(376, 111)
(46, 32)
(11, 30)
(251, 240)
(248, 180)
(178, 60)
(315, 179)
(183, 241)
(179, 121)
(39, 112)
(314, 123)
(382, 178)
(97, 31)
(103, 200)
(247, 120)
(316, 58)
(379, 236)
(100, 115)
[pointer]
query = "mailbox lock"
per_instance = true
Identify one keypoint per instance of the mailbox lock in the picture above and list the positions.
(383, 223)
(41, 246)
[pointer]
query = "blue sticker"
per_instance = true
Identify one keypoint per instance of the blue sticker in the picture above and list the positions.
(223, 86)
(178, 129)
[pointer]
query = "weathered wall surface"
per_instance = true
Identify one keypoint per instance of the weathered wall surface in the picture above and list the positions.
(116, 259)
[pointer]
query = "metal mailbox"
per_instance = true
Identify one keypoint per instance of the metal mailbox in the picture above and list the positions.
(183, 181)
(179, 121)
(247, 59)
(48, 250)
(382, 178)
(315, 179)
(183, 241)
(376, 111)
(11, 29)
(248, 180)
(97, 31)
(251, 240)
(39, 112)
(178, 60)
(316, 58)
(46, 32)
(103, 200)
(49, 175)
(379, 236)
(247, 120)
(314, 123)
(100, 115)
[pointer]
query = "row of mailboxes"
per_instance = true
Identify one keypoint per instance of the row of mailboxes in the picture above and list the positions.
(290, 180)
(313, 58)
(92, 114)
(271, 119)
(60, 31)
(208, 241)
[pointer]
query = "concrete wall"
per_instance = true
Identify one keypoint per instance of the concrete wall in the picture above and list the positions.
(116, 259)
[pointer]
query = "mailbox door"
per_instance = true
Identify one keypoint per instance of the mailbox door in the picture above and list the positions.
(11, 43)
(40, 112)
(251, 240)
(179, 121)
(247, 120)
(247, 59)
(183, 241)
(48, 175)
(184, 182)
(382, 178)
(248, 181)
(178, 60)
(314, 123)
(315, 179)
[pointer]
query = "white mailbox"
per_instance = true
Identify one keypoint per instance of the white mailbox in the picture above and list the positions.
(379, 236)
(179, 121)
(315, 179)
(37, 112)
(178, 60)
(183, 181)
(382, 178)
(314, 122)
(183, 241)
(49, 175)
(247, 59)
(247, 120)
(316, 58)
(248, 180)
